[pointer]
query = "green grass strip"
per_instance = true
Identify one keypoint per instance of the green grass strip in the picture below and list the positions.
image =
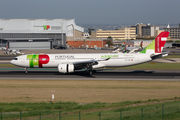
(130, 110)
(172, 56)
(153, 66)
(7, 65)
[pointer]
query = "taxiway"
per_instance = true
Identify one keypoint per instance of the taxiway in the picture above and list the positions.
(107, 74)
(111, 74)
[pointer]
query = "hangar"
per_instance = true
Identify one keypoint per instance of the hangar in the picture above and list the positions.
(38, 33)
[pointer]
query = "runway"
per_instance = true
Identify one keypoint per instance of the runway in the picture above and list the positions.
(53, 74)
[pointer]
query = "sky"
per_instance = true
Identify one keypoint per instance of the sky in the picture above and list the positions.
(94, 12)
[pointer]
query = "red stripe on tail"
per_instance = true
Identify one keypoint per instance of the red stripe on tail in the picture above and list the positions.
(160, 42)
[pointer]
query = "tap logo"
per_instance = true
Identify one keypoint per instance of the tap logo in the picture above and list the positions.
(46, 27)
(37, 60)
(160, 41)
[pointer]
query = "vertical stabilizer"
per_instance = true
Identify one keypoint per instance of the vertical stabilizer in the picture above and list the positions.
(141, 45)
(156, 46)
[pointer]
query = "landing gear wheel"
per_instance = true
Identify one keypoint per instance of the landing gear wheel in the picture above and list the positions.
(94, 71)
(90, 72)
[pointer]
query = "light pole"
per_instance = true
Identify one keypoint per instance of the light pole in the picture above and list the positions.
(1, 36)
(62, 34)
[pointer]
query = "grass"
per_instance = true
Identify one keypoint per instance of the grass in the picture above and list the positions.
(76, 107)
(7, 65)
(70, 110)
(90, 97)
(154, 66)
(86, 91)
(172, 56)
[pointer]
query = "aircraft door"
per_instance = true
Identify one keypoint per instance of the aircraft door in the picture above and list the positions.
(22, 59)
(52, 59)
(136, 58)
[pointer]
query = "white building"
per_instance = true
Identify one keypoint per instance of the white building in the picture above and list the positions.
(38, 33)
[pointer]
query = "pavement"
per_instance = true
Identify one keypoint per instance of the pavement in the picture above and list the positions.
(108, 74)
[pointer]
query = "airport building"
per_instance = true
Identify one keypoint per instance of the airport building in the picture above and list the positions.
(121, 34)
(88, 43)
(139, 29)
(38, 33)
(143, 30)
(149, 30)
(174, 32)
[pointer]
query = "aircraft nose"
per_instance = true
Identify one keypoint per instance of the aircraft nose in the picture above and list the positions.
(11, 61)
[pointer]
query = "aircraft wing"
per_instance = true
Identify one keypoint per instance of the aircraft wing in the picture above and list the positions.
(90, 61)
(83, 64)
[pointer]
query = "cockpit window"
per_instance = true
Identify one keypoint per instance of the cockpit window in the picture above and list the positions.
(15, 59)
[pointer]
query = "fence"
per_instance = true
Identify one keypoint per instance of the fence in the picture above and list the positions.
(156, 112)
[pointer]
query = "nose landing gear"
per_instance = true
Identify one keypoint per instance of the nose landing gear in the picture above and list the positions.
(25, 70)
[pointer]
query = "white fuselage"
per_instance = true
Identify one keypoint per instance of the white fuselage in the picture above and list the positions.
(116, 59)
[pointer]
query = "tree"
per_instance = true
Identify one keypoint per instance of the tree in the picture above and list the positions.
(109, 43)
(109, 37)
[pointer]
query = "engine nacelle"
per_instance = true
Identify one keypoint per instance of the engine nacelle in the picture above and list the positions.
(65, 68)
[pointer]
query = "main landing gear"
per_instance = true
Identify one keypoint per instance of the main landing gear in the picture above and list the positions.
(89, 70)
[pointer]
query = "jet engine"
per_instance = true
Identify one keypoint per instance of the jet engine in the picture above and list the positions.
(65, 68)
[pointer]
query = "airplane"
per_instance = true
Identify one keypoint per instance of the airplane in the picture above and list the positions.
(125, 49)
(68, 63)
(2, 48)
(132, 49)
(13, 52)
(116, 50)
